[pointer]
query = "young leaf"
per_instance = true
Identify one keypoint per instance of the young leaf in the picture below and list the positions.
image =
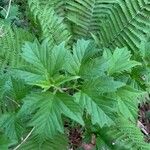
(44, 63)
(45, 60)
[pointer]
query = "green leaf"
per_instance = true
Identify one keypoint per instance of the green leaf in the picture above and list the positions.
(127, 98)
(82, 52)
(126, 135)
(18, 89)
(91, 98)
(119, 61)
(63, 79)
(49, 24)
(11, 126)
(144, 50)
(49, 108)
(45, 60)
(94, 107)
(4, 142)
(93, 68)
(14, 12)
(34, 143)
(4, 86)
(44, 64)
(100, 85)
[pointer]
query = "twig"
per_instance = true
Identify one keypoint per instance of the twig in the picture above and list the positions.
(13, 101)
(8, 10)
(141, 126)
(24, 139)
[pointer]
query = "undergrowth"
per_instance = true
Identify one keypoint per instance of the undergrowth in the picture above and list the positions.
(77, 66)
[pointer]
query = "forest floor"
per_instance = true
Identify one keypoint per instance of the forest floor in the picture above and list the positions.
(144, 120)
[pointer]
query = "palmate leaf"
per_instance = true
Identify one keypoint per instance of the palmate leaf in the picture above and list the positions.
(44, 64)
(93, 68)
(44, 59)
(58, 142)
(119, 61)
(49, 108)
(90, 98)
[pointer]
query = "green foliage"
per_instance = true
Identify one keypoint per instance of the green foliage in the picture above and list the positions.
(115, 22)
(11, 41)
(78, 62)
(123, 136)
(51, 25)
(50, 144)
(119, 61)
(49, 107)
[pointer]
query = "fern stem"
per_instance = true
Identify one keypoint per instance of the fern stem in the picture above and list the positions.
(24, 139)
(8, 10)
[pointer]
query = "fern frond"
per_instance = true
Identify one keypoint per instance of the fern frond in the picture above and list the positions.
(58, 5)
(127, 134)
(124, 135)
(116, 22)
(12, 90)
(126, 22)
(10, 45)
(51, 25)
(7, 105)
(11, 126)
(86, 16)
